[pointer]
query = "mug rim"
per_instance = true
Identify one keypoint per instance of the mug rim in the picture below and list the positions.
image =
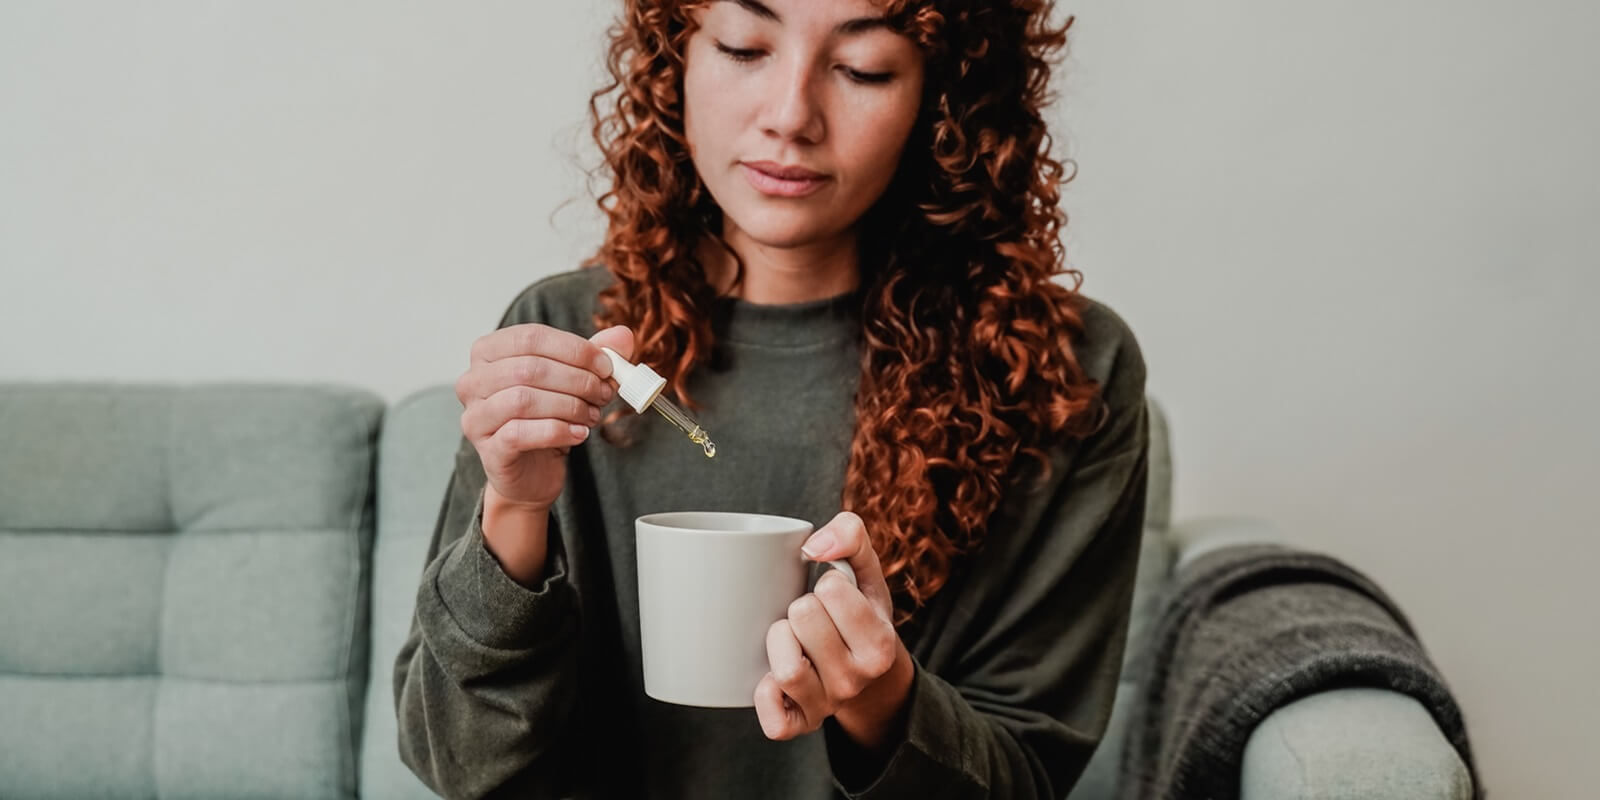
(780, 524)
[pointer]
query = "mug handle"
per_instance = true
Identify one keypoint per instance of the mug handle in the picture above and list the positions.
(843, 567)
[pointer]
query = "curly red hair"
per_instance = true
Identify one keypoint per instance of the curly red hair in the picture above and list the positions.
(968, 372)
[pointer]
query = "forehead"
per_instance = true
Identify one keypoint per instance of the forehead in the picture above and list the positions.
(785, 12)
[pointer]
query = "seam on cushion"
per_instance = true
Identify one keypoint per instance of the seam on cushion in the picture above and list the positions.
(1300, 763)
(166, 462)
(353, 580)
(166, 582)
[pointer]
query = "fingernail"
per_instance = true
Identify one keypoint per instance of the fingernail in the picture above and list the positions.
(818, 545)
(594, 414)
(580, 431)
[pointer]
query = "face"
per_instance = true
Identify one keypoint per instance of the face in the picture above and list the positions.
(796, 112)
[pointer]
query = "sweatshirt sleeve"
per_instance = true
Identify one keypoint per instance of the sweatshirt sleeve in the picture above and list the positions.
(485, 684)
(1016, 709)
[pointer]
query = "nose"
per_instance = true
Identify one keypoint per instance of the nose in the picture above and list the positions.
(792, 110)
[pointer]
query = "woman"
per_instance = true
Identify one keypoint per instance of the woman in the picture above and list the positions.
(832, 229)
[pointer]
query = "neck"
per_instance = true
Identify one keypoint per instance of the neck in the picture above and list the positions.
(780, 275)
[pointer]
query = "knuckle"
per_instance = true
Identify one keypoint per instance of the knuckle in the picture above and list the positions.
(553, 430)
(522, 431)
(888, 641)
(832, 586)
(844, 688)
(855, 683)
(878, 659)
(841, 686)
(528, 339)
(582, 351)
(789, 674)
(522, 399)
(504, 438)
(533, 371)
(804, 606)
(544, 432)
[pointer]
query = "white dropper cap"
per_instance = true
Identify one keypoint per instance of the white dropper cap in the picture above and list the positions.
(638, 384)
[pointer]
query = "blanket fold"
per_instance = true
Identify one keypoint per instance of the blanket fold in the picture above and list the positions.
(1245, 630)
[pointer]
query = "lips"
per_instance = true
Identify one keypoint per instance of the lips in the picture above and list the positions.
(781, 180)
(786, 172)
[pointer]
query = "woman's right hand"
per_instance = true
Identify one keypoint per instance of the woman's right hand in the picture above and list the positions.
(530, 394)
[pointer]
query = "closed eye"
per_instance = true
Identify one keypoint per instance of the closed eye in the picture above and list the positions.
(745, 55)
(739, 54)
(867, 77)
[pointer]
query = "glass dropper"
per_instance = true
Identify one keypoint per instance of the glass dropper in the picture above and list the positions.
(641, 387)
(686, 424)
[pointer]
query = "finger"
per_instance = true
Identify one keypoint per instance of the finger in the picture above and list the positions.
(539, 372)
(821, 642)
(795, 674)
(869, 638)
(484, 417)
(618, 338)
(845, 537)
(524, 435)
(780, 718)
(534, 339)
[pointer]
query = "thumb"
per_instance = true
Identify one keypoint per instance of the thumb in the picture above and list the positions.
(618, 338)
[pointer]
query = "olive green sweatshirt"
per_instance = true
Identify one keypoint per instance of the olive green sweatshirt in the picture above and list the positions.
(508, 691)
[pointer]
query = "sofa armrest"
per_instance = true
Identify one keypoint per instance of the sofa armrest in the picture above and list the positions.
(1343, 743)
(1365, 743)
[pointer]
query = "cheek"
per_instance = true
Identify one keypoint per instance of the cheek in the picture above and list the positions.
(706, 105)
(879, 135)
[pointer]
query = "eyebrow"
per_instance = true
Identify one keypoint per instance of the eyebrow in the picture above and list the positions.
(848, 27)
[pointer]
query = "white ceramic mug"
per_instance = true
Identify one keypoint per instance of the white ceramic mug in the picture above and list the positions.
(710, 585)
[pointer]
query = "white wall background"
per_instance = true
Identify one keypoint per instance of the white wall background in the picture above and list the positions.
(1355, 241)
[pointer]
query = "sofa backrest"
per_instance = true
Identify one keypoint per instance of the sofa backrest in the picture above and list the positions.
(183, 589)
(420, 435)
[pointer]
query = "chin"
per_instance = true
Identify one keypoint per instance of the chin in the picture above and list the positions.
(782, 229)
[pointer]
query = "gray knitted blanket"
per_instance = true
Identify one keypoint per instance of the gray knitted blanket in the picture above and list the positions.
(1245, 630)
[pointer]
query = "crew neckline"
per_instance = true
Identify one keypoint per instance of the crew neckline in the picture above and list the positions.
(809, 322)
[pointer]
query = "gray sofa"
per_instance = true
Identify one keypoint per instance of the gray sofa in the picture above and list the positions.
(202, 588)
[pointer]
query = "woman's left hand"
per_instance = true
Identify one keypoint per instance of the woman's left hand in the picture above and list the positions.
(837, 653)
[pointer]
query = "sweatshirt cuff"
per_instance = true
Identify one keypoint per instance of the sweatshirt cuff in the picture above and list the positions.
(490, 606)
(929, 761)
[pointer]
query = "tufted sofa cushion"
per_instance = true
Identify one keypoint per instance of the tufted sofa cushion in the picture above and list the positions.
(184, 584)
